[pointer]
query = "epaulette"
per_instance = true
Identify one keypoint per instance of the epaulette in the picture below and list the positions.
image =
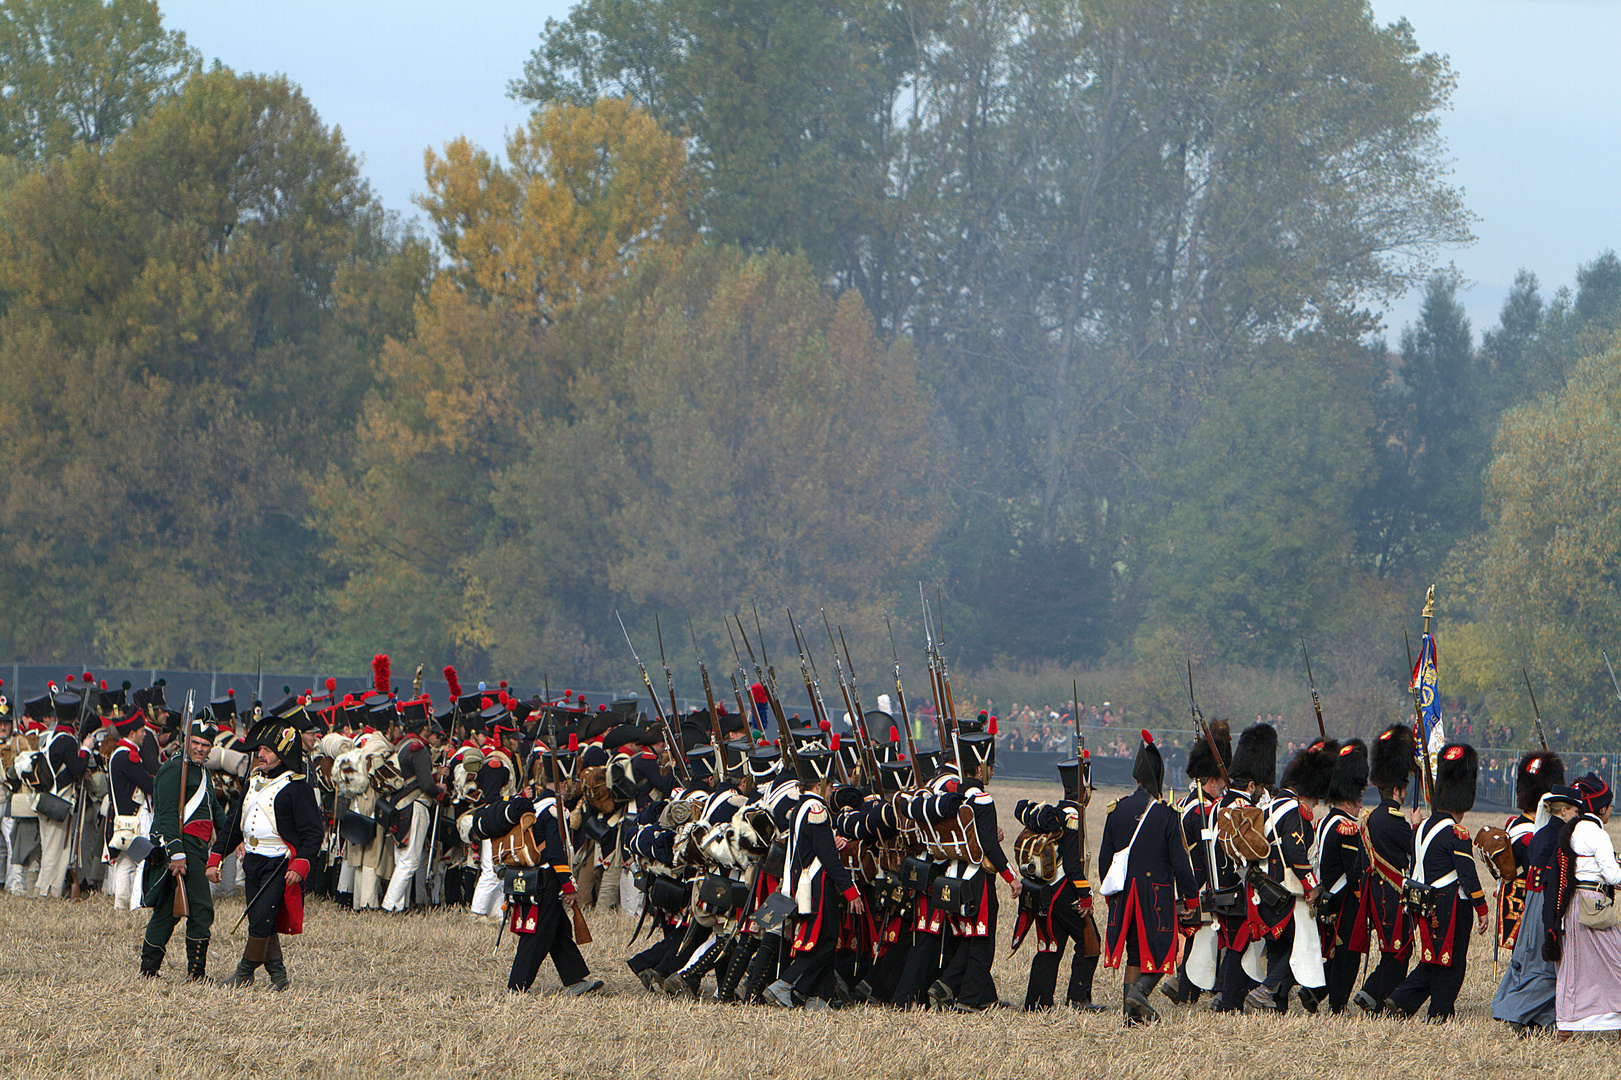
(1395, 812)
(1463, 833)
(1110, 808)
(817, 813)
(1347, 828)
(983, 798)
(1072, 818)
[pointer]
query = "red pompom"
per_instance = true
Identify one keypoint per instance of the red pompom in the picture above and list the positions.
(894, 733)
(602, 708)
(331, 685)
(89, 679)
(833, 743)
(901, 757)
(485, 703)
(104, 684)
(455, 684)
(573, 742)
(230, 692)
(720, 708)
(348, 699)
(1086, 755)
(757, 692)
(302, 700)
(568, 695)
(823, 724)
(380, 672)
(70, 678)
(1147, 738)
(992, 727)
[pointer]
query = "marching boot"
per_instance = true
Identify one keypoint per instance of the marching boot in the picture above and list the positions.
(253, 954)
(274, 966)
(742, 953)
(196, 959)
(1138, 1010)
(151, 959)
(762, 967)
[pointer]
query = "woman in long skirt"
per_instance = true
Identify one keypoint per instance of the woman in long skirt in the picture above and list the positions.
(1589, 982)
(1525, 997)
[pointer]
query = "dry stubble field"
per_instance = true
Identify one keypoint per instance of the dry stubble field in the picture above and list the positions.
(422, 996)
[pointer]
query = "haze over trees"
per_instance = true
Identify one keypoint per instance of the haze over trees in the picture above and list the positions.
(1063, 306)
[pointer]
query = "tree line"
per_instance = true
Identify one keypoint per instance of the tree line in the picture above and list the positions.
(1065, 307)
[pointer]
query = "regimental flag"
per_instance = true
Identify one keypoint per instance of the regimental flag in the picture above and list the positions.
(1429, 704)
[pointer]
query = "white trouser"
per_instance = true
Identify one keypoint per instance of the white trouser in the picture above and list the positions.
(53, 854)
(124, 873)
(346, 877)
(487, 893)
(407, 859)
(6, 824)
(20, 877)
(630, 897)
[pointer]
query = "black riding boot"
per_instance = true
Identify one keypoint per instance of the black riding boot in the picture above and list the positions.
(274, 966)
(151, 959)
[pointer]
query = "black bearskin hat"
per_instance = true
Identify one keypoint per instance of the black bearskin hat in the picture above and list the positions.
(1350, 773)
(1391, 759)
(1201, 762)
(1538, 772)
(1256, 757)
(1456, 769)
(1149, 768)
(1311, 771)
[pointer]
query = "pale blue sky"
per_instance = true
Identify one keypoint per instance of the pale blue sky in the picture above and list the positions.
(1533, 131)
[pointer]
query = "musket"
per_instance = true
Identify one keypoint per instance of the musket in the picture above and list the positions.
(669, 678)
(859, 712)
(1541, 738)
(934, 675)
(582, 932)
(935, 646)
(900, 698)
(182, 903)
(759, 635)
(749, 716)
(709, 696)
(1207, 824)
(819, 706)
(671, 738)
(259, 679)
(1315, 702)
(1204, 729)
(789, 753)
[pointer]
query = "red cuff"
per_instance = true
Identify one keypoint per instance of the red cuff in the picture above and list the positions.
(1007, 876)
(301, 867)
(213, 859)
(1192, 902)
(851, 893)
(1481, 907)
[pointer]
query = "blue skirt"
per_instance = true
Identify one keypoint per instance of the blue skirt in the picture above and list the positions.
(1526, 994)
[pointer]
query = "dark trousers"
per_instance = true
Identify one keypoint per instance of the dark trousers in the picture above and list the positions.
(659, 951)
(160, 894)
(922, 967)
(1389, 973)
(1279, 975)
(1233, 981)
(1439, 984)
(687, 942)
(265, 878)
(1342, 969)
(813, 973)
(1068, 927)
(888, 968)
(968, 973)
(554, 937)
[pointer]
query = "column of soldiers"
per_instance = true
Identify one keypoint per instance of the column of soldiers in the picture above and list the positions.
(813, 871)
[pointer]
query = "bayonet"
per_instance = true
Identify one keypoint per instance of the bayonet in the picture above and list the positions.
(669, 677)
(709, 696)
(1541, 738)
(900, 699)
(1312, 682)
(672, 737)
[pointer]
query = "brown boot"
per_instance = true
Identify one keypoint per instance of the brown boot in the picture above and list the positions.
(252, 956)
